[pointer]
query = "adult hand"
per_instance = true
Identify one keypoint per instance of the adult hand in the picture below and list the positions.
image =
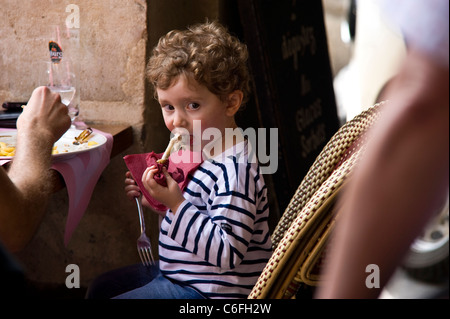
(44, 117)
(42, 122)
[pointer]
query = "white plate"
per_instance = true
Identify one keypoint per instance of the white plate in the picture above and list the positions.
(64, 145)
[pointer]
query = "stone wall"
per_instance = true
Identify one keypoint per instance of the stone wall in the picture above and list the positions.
(111, 57)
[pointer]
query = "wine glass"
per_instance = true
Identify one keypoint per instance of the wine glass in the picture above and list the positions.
(60, 78)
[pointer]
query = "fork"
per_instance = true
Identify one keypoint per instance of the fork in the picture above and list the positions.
(143, 243)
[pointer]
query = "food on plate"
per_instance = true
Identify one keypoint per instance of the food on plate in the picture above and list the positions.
(7, 149)
(83, 137)
(85, 140)
(67, 148)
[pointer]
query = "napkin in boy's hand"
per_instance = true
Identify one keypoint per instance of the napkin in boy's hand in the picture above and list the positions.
(186, 163)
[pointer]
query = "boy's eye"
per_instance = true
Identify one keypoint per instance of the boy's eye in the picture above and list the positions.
(193, 106)
(168, 107)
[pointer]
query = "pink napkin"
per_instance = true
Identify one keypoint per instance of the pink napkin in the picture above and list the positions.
(81, 174)
(179, 166)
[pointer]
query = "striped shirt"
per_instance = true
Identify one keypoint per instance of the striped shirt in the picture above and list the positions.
(218, 241)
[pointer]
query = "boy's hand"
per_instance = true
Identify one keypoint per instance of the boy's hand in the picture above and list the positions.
(132, 190)
(169, 196)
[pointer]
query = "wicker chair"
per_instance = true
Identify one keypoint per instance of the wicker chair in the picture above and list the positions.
(299, 240)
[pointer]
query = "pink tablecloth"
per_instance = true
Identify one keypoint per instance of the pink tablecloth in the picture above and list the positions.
(81, 174)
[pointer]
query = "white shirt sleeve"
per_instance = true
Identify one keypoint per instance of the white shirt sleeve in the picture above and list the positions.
(423, 23)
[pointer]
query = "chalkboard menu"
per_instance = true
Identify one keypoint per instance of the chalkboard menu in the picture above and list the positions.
(293, 84)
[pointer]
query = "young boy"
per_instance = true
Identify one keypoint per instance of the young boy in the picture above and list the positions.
(214, 239)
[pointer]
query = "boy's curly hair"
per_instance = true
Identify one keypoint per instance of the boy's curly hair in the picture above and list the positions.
(207, 53)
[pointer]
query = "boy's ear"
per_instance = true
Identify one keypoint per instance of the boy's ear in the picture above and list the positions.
(234, 102)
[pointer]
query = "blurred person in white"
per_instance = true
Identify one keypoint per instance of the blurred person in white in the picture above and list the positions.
(403, 177)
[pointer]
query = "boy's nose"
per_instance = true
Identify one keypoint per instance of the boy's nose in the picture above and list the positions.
(179, 120)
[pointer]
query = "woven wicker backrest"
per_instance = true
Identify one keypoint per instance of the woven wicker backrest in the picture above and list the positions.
(323, 166)
(305, 225)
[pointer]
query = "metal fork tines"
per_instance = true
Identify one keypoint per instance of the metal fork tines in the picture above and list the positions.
(143, 243)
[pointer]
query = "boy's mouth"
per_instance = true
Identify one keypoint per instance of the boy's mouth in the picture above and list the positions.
(187, 139)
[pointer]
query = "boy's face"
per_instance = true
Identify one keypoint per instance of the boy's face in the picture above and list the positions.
(187, 101)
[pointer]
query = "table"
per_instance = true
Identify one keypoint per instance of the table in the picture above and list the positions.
(122, 135)
(122, 139)
(80, 174)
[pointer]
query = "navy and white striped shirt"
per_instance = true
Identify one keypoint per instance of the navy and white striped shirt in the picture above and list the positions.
(218, 241)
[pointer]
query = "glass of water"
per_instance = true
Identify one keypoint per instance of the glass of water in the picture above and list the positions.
(60, 78)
